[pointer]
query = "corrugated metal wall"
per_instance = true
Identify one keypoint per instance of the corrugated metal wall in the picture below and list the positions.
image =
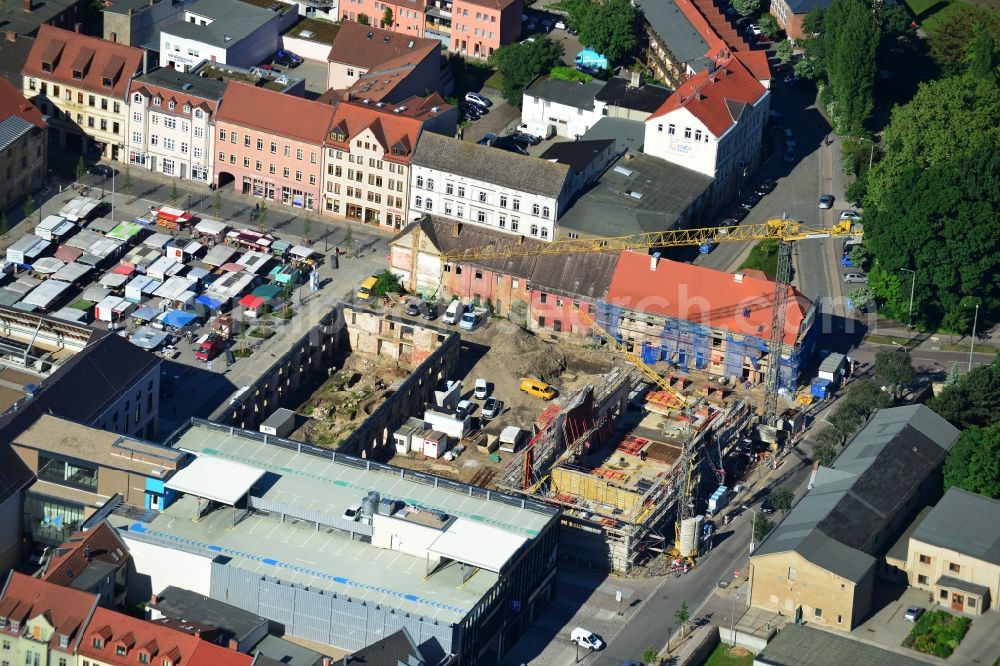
(323, 616)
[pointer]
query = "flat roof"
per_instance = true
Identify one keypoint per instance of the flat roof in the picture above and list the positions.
(315, 481)
(215, 479)
(477, 544)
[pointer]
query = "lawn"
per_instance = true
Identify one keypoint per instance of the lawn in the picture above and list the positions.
(930, 12)
(763, 257)
(937, 633)
(721, 657)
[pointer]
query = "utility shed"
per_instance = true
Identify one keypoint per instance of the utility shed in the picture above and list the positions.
(280, 424)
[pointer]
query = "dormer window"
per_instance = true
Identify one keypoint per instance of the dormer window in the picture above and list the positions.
(15, 626)
(199, 113)
(97, 642)
(3, 623)
(338, 136)
(143, 657)
(106, 82)
(137, 98)
(170, 105)
(157, 101)
(77, 74)
(187, 108)
(46, 66)
(63, 641)
(120, 650)
(167, 662)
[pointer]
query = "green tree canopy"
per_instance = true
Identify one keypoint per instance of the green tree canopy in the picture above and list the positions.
(950, 37)
(769, 25)
(850, 41)
(812, 24)
(973, 464)
(520, 63)
(782, 498)
(974, 400)
(746, 7)
(784, 50)
(609, 27)
(981, 55)
(823, 452)
(895, 368)
(761, 527)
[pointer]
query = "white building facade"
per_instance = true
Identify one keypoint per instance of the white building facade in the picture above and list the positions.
(227, 32)
(171, 124)
(568, 106)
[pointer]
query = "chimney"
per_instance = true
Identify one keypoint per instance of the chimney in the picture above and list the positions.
(27, 5)
(11, 36)
(234, 645)
(636, 78)
(76, 27)
(145, 61)
(152, 599)
(213, 59)
(654, 259)
(738, 278)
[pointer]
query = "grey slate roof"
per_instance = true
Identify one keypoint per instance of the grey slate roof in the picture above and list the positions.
(608, 209)
(200, 86)
(837, 524)
(963, 585)
(647, 98)
(569, 93)
(500, 167)
(13, 128)
(628, 134)
(274, 651)
(798, 645)
(182, 604)
(806, 6)
(956, 523)
(13, 55)
(578, 155)
(580, 275)
(677, 33)
(230, 18)
(394, 649)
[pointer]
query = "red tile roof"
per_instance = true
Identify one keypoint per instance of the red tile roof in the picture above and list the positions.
(96, 59)
(353, 46)
(155, 639)
(70, 559)
(703, 295)
(756, 62)
(716, 18)
(391, 129)
(274, 112)
(13, 103)
(716, 98)
(66, 609)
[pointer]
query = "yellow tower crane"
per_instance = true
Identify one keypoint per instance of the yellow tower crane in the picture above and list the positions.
(783, 230)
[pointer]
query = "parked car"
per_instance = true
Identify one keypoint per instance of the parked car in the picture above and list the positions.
(487, 139)
(537, 388)
(454, 311)
(465, 408)
(287, 58)
(753, 30)
(750, 200)
(470, 111)
(852, 215)
(826, 201)
(850, 278)
(766, 507)
(413, 308)
(352, 512)
(525, 139)
(560, 25)
(509, 144)
(587, 639)
(913, 613)
(102, 170)
(480, 100)
(430, 312)
(481, 390)
(492, 408)
(765, 187)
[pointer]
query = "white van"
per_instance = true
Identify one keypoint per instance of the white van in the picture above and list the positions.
(541, 130)
(452, 313)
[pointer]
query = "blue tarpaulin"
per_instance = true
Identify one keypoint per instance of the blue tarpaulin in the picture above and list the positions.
(178, 318)
(209, 302)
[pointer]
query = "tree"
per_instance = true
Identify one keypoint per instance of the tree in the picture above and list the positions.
(860, 256)
(950, 37)
(217, 204)
(363, 19)
(812, 24)
(173, 191)
(519, 64)
(761, 528)
(262, 216)
(306, 228)
(830, 436)
(974, 400)
(608, 27)
(894, 19)
(650, 655)
(769, 25)
(81, 168)
(954, 374)
(746, 7)
(847, 420)
(895, 368)
(387, 18)
(28, 208)
(784, 50)
(973, 463)
(128, 181)
(681, 617)
(981, 56)
(782, 498)
(861, 298)
(855, 192)
(866, 396)
(850, 40)
(387, 282)
(824, 453)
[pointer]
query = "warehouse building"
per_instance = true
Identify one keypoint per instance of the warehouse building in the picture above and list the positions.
(345, 551)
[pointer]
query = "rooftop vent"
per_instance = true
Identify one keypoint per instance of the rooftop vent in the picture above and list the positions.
(410, 44)
(306, 34)
(623, 170)
(380, 104)
(634, 194)
(399, 109)
(385, 40)
(738, 278)
(435, 109)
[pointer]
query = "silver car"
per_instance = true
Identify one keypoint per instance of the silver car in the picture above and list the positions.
(855, 277)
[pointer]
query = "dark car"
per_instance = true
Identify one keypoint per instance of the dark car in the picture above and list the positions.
(487, 139)
(765, 187)
(737, 215)
(750, 200)
(519, 139)
(766, 507)
(430, 312)
(791, 79)
(492, 408)
(529, 138)
(287, 58)
(508, 144)
(470, 112)
(101, 170)
(413, 308)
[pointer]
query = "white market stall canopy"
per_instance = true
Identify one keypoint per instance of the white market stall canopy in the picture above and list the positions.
(477, 544)
(215, 479)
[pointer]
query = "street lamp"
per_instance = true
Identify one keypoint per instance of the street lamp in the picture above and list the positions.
(972, 344)
(753, 525)
(913, 283)
(871, 157)
(732, 619)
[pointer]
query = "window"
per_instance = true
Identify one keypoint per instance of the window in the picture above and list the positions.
(156, 101)
(137, 138)
(925, 559)
(104, 125)
(271, 168)
(418, 202)
(671, 129)
(287, 151)
(687, 132)
(922, 579)
(545, 232)
(840, 619)
(449, 188)
(482, 197)
(286, 172)
(697, 135)
(503, 200)
(954, 567)
(246, 162)
(970, 602)
(199, 114)
(222, 156)
(543, 297)
(430, 184)
(246, 140)
(232, 137)
(429, 204)
(502, 221)
(274, 148)
(137, 117)
(420, 181)
(818, 612)
(143, 658)
(168, 144)
(154, 140)
(120, 649)
(168, 168)
(222, 135)
(298, 153)
(312, 157)
(535, 209)
(517, 204)
(298, 175)
(97, 643)
(258, 166)
(199, 132)
(791, 573)
(944, 594)
(481, 216)
(171, 104)
(514, 224)
(534, 230)
(461, 190)
(260, 144)
(170, 123)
